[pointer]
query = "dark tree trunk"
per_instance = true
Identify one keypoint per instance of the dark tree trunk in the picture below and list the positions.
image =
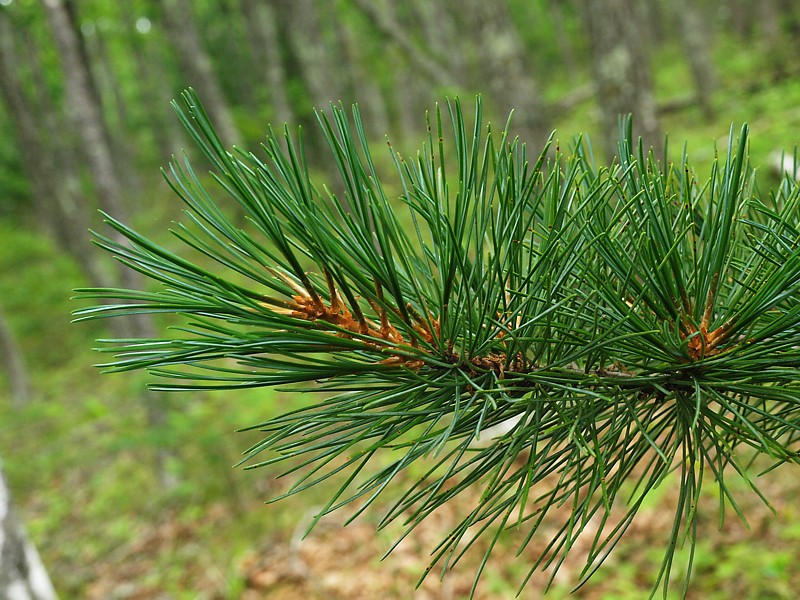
(260, 19)
(116, 112)
(87, 116)
(503, 70)
(363, 88)
(383, 19)
(85, 110)
(311, 50)
(196, 64)
(743, 16)
(53, 182)
(779, 30)
(314, 56)
(621, 68)
(790, 17)
(442, 36)
(155, 87)
(411, 99)
(695, 39)
(565, 46)
(101, 83)
(418, 73)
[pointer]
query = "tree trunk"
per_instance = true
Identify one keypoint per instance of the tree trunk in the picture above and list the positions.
(33, 158)
(778, 32)
(104, 91)
(22, 574)
(85, 110)
(743, 17)
(504, 72)
(382, 18)
(565, 47)
(313, 55)
(410, 100)
(196, 64)
(695, 39)
(87, 116)
(444, 40)
(653, 18)
(621, 69)
(790, 17)
(365, 91)
(308, 44)
(149, 57)
(260, 20)
(53, 182)
(116, 113)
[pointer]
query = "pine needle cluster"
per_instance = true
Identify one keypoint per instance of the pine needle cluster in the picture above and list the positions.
(620, 326)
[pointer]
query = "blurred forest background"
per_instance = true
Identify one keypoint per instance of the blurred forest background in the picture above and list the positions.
(130, 494)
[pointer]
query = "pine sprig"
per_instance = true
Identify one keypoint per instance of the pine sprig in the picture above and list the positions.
(621, 324)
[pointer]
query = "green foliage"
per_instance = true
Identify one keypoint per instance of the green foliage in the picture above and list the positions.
(15, 186)
(32, 306)
(626, 323)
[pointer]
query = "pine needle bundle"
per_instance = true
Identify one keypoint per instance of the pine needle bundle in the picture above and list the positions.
(615, 326)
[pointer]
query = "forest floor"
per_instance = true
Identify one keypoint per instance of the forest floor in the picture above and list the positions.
(335, 561)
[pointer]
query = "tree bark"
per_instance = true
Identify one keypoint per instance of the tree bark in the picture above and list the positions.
(22, 574)
(365, 91)
(308, 44)
(101, 83)
(790, 17)
(503, 70)
(314, 57)
(54, 185)
(442, 36)
(33, 158)
(695, 39)
(621, 70)
(410, 100)
(153, 70)
(565, 47)
(778, 31)
(85, 111)
(743, 17)
(182, 31)
(260, 20)
(116, 111)
(384, 22)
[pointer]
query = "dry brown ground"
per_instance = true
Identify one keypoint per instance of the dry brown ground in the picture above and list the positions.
(337, 563)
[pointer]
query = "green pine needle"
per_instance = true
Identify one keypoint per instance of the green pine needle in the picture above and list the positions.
(623, 323)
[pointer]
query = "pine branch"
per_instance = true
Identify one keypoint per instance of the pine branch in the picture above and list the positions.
(630, 321)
